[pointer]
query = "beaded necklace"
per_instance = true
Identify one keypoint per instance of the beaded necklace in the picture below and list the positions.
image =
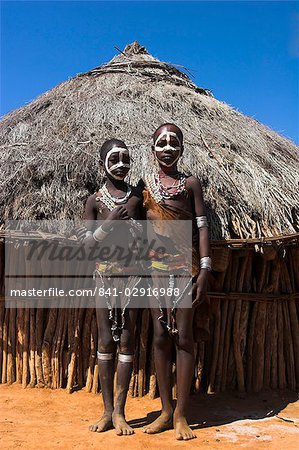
(110, 201)
(179, 186)
(107, 198)
(159, 192)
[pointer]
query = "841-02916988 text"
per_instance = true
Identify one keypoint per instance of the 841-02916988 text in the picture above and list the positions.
(139, 292)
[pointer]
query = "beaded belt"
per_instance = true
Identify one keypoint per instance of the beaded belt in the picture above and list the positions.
(167, 261)
(113, 268)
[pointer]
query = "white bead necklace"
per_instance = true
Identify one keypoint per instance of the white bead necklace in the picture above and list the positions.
(108, 200)
(111, 201)
(153, 188)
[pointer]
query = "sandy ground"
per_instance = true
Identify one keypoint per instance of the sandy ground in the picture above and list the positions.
(42, 418)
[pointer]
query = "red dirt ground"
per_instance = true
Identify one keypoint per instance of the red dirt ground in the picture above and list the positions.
(43, 418)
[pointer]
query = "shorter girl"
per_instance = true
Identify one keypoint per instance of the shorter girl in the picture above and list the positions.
(115, 201)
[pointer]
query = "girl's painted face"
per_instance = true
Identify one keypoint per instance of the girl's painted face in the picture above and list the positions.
(117, 162)
(168, 148)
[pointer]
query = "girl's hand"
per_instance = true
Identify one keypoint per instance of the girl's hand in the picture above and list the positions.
(199, 289)
(118, 213)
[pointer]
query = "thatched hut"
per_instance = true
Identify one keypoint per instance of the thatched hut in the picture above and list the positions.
(249, 173)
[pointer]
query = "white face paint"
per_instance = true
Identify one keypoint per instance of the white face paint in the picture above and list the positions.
(121, 153)
(166, 135)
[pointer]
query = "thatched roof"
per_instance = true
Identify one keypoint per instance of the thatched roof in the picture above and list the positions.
(49, 148)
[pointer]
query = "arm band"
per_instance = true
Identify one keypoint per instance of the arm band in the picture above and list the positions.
(206, 263)
(99, 234)
(201, 221)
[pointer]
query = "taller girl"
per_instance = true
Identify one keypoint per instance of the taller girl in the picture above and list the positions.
(171, 195)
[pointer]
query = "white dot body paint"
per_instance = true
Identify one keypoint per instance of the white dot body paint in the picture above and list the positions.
(121, 151)
(168, 135)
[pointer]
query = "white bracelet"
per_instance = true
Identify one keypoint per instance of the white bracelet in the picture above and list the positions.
(99, 234)
(206, 263)
(201, 221)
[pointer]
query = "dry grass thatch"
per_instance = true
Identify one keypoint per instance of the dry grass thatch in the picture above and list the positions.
(49, 148)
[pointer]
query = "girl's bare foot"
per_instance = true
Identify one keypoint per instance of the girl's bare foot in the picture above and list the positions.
(162, 423)
(103, 424)
(122, 428)
(182, 430)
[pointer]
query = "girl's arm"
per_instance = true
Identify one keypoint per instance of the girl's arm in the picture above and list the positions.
(200, 211)
(200, 287)
(90, 215)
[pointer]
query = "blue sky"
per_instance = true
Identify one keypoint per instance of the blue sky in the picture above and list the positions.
(245, 52)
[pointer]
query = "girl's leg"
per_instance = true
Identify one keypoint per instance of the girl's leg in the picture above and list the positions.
(185, 370)
(163, 363)
(106, 352)
(124, 372)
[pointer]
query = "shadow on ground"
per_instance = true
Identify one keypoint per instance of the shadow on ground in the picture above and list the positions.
(210, 410)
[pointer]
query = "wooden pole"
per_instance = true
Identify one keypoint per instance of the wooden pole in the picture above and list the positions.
(93, 352)
(295, 336)
(38, 347)
(25, 375)
(216, 344)
(281, 360)
(145, 319)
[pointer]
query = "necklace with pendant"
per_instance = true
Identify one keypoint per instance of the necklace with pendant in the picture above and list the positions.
(159, 192)
(178, 186)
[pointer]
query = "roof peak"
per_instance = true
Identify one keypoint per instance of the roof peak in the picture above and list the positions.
(135, 49)
(136, 56)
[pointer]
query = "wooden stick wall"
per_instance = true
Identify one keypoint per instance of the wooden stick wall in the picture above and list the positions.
(254, 341)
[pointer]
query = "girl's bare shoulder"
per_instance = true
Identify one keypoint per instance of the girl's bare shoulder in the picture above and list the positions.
(193, 183)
